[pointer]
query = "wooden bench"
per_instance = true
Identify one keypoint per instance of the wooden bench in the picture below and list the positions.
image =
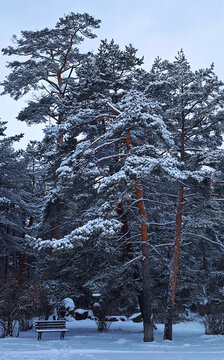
(50, 326)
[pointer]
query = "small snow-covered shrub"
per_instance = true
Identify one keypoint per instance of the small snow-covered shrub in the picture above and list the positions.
(81, 314)
(69, 304)
(102, 324)
(100, 312)
(214, 324)
(67, 308)
(116, 318)
(136, 318)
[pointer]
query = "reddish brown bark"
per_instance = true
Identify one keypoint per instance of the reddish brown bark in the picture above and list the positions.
(144, 228)
(128, 142)
(30, 221)
(147, 312)
(146, 295)
(60, 140)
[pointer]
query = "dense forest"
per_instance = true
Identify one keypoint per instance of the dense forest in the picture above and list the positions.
(120, 206)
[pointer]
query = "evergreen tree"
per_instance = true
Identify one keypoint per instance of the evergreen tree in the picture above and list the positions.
(73, 187)
(192, 105)
(49, 60)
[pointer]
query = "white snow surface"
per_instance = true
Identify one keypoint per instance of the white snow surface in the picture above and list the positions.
(68, 304)
(81, 311)
(123, 341)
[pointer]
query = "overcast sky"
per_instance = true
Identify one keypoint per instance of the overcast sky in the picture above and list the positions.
(154, 27)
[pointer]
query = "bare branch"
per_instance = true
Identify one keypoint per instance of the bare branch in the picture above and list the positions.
(219, 243)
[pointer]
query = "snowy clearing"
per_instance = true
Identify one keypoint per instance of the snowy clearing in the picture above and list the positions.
(123, 341)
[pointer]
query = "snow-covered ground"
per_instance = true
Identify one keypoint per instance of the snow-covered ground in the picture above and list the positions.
(123, 341)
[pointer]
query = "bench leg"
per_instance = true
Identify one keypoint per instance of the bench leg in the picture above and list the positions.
(39, 335)
(62, 335)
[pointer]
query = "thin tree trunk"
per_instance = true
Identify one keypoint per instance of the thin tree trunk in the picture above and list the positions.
(6, 267)
(22, 261)
(6, 257)
(168, 332)
(174, 267)
(120, 210)
(23, 258)
(125, 230)
(13, 266)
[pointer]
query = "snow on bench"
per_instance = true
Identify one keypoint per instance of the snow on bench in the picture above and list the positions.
(50, 326)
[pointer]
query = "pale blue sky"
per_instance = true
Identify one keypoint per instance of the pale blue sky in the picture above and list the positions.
(154, 27)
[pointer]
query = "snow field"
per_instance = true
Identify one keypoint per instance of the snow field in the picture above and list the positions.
(123, 341)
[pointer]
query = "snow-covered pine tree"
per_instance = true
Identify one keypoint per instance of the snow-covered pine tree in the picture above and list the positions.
(49, 60)
(143, 142)
(75, 188)
(107, 75)
(192, 111)
(48, 65)
(14, 200)
(15, 208)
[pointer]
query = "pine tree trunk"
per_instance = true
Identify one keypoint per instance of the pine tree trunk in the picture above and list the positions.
(147, 311)
(13, 266)
(176, 249)
(23, 258)
(174, 267)
(6, 257)
(168, 328)
(22, 261)
(6, 267)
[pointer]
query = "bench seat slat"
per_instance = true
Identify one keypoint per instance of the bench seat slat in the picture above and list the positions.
(52, 330)
(49, 325)
(50, 322)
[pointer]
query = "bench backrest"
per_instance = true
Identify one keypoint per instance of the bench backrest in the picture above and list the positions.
(50, 324)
